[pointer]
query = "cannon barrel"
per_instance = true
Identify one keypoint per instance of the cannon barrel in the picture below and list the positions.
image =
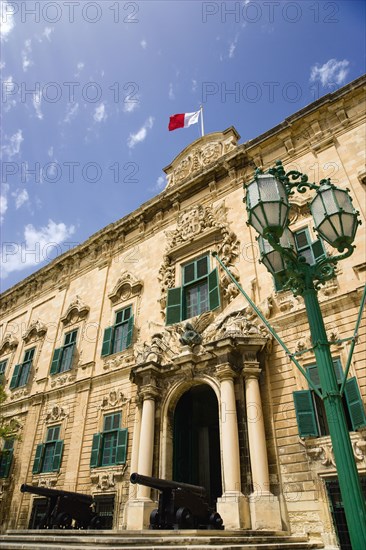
(49, 493)
(163, 484)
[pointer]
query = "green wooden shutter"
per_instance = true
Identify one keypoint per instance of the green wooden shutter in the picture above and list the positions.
(57, 456)
(68, 363)
(214, 289)
(305, 413)
(121, 446)
(25, 373)
(129, 331)
(314, 375)
(15, 378)
(318, 249)
(107, 341)
(6, 458)
(355, 405)
(174, 305)
(338, 370)
(55, 365)
(37, 465)
(96, 449)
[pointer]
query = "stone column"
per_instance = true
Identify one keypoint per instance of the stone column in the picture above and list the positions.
(264, 506)
(233, 505)
(140, 508)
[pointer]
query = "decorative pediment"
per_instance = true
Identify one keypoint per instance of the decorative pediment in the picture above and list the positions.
(199, 227)
(77, 311)
(200, 155)
(56, 413)
(35, 331)
(126, 287)
(8, 344)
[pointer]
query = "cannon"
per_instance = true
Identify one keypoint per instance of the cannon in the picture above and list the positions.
(181, 505)
(65, 509)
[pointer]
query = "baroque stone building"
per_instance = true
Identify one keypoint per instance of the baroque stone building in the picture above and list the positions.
(135, 352)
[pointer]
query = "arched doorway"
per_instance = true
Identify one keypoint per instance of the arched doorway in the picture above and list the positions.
(196, 441)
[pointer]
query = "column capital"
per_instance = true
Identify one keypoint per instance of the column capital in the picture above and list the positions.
(225, 372)
(148, 392)
(251, 371)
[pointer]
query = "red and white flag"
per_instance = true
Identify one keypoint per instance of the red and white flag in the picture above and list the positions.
(183, 120)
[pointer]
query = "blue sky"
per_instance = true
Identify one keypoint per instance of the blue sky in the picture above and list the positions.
(88, 88)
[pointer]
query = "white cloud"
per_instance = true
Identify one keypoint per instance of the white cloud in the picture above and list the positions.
(47, 32)
(232, 46)
(37, 247)
(6, 18)
(80, 66)
(332, 72)
(140, 136)
(26, 59)
(7, 89)
(3, 200)
(194, 85)
(160, 183)
(21, 197)
(143, 44)
(12, 148)
(100, 113)
(171, 91)
(130, 105)
(71, 112)
(50, 151)
(37, 98)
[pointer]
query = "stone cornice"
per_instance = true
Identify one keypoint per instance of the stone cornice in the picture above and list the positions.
(98, 250)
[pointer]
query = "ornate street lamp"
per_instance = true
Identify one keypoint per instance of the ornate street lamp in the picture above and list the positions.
(336, 221)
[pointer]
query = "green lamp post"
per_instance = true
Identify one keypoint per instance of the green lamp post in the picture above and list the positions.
(336, 221)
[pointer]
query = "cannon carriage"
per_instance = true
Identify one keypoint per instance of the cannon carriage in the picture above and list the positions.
(181, 505)
(65, 509)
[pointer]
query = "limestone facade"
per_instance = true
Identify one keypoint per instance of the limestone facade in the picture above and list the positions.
(270, 477)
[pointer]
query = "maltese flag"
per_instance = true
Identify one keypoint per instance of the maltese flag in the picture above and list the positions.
(183, 120)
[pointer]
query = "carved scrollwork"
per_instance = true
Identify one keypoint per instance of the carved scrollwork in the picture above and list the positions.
(77, 311)
(8, 344)
(56, 413)
(114, 399)
(125, 288)
(35, 331)
(62, 380)
(106, 480)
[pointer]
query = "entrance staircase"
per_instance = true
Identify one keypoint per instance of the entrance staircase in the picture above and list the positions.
(153, 540)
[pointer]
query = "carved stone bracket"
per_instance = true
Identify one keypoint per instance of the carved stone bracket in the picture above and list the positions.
(77, 311)
(8, 344)
(126, 287)
(35, 331)
(321, 450)
(62, 380)
(47, 481)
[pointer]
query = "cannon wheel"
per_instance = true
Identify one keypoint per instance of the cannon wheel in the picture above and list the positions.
(215, 521)
(63, 520)
(154, 519)
(96, 523)
(184, 518)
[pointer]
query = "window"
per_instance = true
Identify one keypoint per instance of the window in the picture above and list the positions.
(199, 292)
(6, 457)
(49, 454)
(62, 357)
(110, 446)
(119, 336)
(310, 250)
(310, 410)
(21, 372)
(2, 368)
(104, 507)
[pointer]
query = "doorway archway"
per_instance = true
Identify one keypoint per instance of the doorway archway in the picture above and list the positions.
(196, 441)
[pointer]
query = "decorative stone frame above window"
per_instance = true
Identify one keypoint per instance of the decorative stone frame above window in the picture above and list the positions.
(8, 344)
(126, 288)
(116, 399)
(56, 413)
(76, 312)
(36, 331)
(200, 228)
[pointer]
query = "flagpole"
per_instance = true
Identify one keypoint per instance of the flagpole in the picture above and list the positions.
(202, 128)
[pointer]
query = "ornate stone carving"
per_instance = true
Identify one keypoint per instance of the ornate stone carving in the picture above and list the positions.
(202, 225)
(200, 155)
(323, 453)
(106, 480)
(303, 342)
(114, 399)
(56, 413)
(47, 482)
(321, 450)
(125, 288)
(77, 311)
(192, 331)
(162, 348)
(8, 344)
(18, 394)
(62, 380)
(118, 360)
(240, 322)
(14, 425)
(35, 331)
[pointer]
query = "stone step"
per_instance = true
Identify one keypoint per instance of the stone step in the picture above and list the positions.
(154, 540)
